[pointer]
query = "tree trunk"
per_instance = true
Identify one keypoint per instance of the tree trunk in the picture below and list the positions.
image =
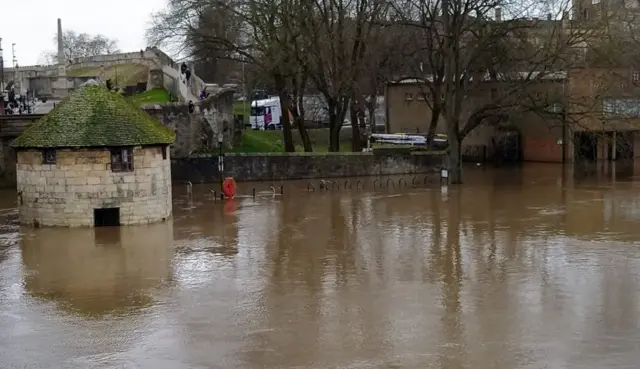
(433, 126)
(335, 124)
(285, 103)
(334, 137)
(356, 141)
(454, 155)
(298, 114)
(372, 104)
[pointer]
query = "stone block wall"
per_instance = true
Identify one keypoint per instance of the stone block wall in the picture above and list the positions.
(197, 132)
(284, 166)
(66, 193)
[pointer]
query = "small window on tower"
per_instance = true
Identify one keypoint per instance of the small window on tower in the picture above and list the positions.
(49, 156)
(635, 76)
(122, 160)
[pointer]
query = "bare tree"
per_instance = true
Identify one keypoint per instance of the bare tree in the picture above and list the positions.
(334, 37)
(79, 45)
(256, 32)
(486, 67)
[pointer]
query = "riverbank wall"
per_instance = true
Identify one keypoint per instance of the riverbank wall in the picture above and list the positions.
(286, 166)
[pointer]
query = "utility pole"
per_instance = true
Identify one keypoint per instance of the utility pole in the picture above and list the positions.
(1, 80)
(244, 92)
(13, 54)
(1, 73)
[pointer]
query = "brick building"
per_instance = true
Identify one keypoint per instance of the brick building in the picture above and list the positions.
(536, 133)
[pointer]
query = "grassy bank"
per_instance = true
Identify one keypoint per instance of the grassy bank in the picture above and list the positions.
(272, 141)
(154, 96)
(242, 108)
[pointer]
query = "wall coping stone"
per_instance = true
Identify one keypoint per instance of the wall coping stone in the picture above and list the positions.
(311, 154)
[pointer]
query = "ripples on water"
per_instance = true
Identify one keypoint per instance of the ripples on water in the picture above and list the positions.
(516, 269)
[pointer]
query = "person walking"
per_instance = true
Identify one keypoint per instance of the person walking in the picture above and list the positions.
(187, 75)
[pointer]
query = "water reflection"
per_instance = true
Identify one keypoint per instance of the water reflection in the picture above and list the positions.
(97, 271)
(521, 268)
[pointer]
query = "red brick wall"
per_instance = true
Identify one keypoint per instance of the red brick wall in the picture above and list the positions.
(541, 150)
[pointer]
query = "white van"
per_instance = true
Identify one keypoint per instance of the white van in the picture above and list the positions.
(266, 114)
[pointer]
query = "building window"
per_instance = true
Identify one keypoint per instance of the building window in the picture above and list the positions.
(635, 76)
(49, 156)
(585, 14)
(621, 108)
(164, 152)
(122, 160)
(408, 96)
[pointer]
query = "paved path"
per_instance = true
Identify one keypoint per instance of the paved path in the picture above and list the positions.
(44, 108)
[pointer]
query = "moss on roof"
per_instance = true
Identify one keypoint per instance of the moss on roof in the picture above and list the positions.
(93, 116)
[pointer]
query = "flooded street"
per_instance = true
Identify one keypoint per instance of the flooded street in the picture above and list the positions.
(515, 269)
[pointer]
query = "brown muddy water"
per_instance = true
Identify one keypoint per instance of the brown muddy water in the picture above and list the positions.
(515, 269)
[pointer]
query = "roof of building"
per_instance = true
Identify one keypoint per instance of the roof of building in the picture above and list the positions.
(92, 116)
(511, 76)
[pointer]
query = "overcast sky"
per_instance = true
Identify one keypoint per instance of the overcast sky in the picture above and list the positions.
(32, 24)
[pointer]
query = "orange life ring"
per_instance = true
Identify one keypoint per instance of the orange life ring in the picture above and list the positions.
(229, 187)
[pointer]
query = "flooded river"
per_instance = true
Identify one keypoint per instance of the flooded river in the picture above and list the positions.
(515, 269)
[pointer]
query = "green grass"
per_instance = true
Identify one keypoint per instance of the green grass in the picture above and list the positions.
(272, 141)
(242, 108)
(154, 96)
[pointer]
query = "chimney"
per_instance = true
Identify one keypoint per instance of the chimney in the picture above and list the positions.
(549, 16)
(61, 60)
(498, 15)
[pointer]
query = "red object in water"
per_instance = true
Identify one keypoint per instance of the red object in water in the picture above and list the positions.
(230, 207)
(229, 187)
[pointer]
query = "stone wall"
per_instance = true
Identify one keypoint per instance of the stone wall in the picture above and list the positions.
(284, 166)
(66, 193)
(198, 132)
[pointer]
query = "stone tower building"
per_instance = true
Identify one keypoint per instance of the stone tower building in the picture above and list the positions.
(95, 160)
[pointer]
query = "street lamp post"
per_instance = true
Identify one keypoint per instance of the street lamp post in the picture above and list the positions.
(220, 161)
(1, 80)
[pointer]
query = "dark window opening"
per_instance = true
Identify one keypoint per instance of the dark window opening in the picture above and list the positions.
(164, 153)
(257, 111)
(49, 156)
(121, 160)
(106, 217)
(585, 147)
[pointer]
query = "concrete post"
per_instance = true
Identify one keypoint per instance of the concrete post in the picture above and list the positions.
(614, 144)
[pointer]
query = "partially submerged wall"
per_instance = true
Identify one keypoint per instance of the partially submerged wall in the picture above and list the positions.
(285, 166)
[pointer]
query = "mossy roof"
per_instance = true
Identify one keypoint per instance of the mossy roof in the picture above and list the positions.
(92, 116)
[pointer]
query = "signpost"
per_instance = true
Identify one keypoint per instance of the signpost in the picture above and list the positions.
(220, 161)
